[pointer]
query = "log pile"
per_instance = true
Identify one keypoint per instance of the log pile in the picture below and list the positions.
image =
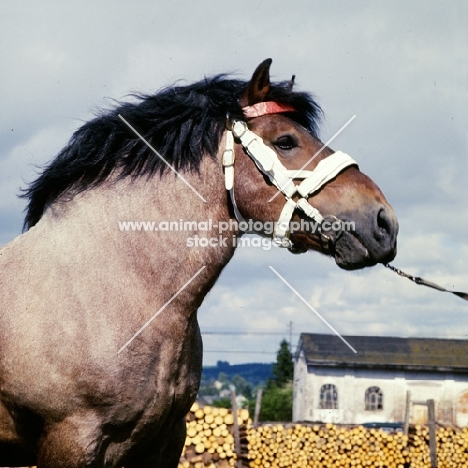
(452, 447)
(325, 446)
(210, 437)
(210, 444)
(328, 445)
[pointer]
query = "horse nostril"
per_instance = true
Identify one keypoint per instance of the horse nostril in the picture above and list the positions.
(384, 223)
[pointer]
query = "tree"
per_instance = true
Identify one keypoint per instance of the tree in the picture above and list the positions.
(223, 402)
(242, 386)
(283, 370)
(277, 396)
(277, 403)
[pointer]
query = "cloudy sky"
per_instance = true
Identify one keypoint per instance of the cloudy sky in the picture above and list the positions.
(401, 67)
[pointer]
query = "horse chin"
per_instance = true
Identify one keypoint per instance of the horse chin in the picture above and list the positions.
(349, 253)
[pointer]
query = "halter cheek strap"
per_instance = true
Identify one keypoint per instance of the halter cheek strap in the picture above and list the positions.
(269, 164)
(228, 164)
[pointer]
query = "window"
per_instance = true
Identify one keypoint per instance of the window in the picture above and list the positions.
(328, 397)
(374, 399)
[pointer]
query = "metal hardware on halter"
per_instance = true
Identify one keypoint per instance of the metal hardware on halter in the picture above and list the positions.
(267, 161)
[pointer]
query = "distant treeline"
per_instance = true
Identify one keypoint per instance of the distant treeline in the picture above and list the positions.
(254, 373)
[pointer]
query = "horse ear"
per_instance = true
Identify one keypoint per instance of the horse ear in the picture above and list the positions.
(258, 86)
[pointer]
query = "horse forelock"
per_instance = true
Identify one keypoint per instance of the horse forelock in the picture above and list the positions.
(183, 123)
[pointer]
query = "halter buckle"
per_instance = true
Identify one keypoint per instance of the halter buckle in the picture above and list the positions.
(238, 128)
(229, 156)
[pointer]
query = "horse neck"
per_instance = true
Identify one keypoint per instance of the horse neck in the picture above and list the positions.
(163, 260)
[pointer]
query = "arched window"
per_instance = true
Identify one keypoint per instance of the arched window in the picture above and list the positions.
(328, 397)
(374, 399)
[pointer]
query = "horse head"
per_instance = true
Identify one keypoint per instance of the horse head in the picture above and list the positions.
(341, 212)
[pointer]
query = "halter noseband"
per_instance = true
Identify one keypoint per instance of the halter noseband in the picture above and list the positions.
(267, 161)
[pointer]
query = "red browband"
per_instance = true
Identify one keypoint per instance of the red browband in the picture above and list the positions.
(265, 108)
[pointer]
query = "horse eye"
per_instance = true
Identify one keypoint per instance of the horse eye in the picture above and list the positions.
(286, 142)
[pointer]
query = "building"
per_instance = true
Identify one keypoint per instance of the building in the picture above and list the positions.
(334, 384)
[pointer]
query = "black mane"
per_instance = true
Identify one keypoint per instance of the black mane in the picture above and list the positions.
(183, 123)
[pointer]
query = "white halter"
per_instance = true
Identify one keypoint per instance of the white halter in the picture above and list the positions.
(268, 162)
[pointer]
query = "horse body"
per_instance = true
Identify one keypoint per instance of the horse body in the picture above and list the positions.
(74, 391)
(59, 355)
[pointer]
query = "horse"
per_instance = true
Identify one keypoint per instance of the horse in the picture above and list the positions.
(87, 377)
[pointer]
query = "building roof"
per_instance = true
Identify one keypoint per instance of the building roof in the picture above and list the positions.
(429, 354)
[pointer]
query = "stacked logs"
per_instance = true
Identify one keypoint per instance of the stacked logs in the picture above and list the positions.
(210, 444)
(325, 446)
(328, 445)
(210, 437)
(452, 447)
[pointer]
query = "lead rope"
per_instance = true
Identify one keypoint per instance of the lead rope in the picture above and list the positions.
(422, 281)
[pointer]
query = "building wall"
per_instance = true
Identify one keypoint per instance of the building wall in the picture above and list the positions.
(449, 392)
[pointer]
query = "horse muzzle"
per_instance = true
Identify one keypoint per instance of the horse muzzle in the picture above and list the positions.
(372, 240)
